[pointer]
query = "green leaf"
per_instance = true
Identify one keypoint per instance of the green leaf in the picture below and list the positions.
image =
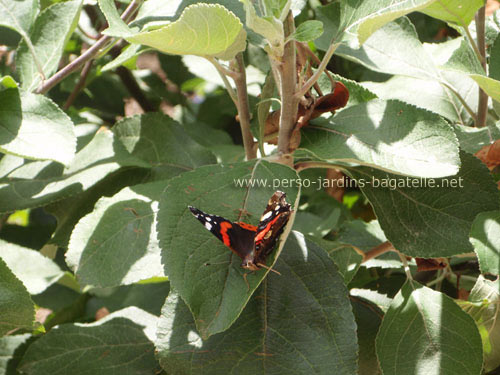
(432, 220)
(116, 244)
(100, 157)
(269, 27)
(347, 259)
(149, 297)
(494, 64)
(456, 12)
(117, 27)
(202, 29)
(162, 143)
(424, 331)
(18, 15)
(52, 30)
(391, 136)
(33, 127)
(453, 11)
(68, 211)
(473, 139)
(18, 311)
(297, 323)
(129, 53)
(485, 237)
(204, 271)
(368, 319)
(432, 96)
(385, 12)
(11, 351)
(35, 271)
(307, 31)
(395, 49)
(483, 305)
(122, 341)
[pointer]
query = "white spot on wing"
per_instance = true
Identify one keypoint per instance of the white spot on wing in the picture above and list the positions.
(208, 218)
(208, 226)
(266, 216)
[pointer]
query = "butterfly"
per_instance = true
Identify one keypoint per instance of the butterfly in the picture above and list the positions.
(251, 243)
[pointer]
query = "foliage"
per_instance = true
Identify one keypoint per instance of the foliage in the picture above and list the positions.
(117, 116)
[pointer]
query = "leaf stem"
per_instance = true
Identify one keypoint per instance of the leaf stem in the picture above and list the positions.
(243, 107)
(288, 84)
(314, 78)
(315, 164)
(405, 266)
(88, 55)
(482, 107)
(461, 100)
(223, 75)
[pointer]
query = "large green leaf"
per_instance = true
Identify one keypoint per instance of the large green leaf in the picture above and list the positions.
(485, 237)
(34, 184)
(116, 244)
(368, 319)
(354, 21)
(202, 29)
(206, 273)
(18, 311)
(297, 323)
(432, 96)
(483, 305)
(121, 343)
(392, 136)
(33, 127)
(425, 332)
(35, 271)
(49, 35)
(11, 351)
(162, 143)
(395, 49)
(473, 139)
(432, 220)
(18, 15)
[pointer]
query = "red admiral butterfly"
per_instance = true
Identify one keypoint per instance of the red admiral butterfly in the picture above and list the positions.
(251, 243)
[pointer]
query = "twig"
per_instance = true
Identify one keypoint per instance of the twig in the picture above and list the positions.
(227, 85)
(80, 85)
(288, 82)
(405, 266)
(482, 107)
(378, 250)
(45, 86)
(243, 106)
(311, 81)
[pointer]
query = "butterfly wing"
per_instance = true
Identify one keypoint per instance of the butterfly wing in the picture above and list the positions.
(271, 225)
(239, 237)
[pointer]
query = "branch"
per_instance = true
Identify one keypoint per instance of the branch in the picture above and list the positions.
(84, 57)
(240, 80)
(80, 85)
(378, 250)
(482, 107)
(311, 81)
(288, 82)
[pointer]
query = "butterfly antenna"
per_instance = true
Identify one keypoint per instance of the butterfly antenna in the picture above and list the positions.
(268, 268)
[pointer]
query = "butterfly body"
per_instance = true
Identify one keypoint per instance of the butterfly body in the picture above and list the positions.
(251, 243)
